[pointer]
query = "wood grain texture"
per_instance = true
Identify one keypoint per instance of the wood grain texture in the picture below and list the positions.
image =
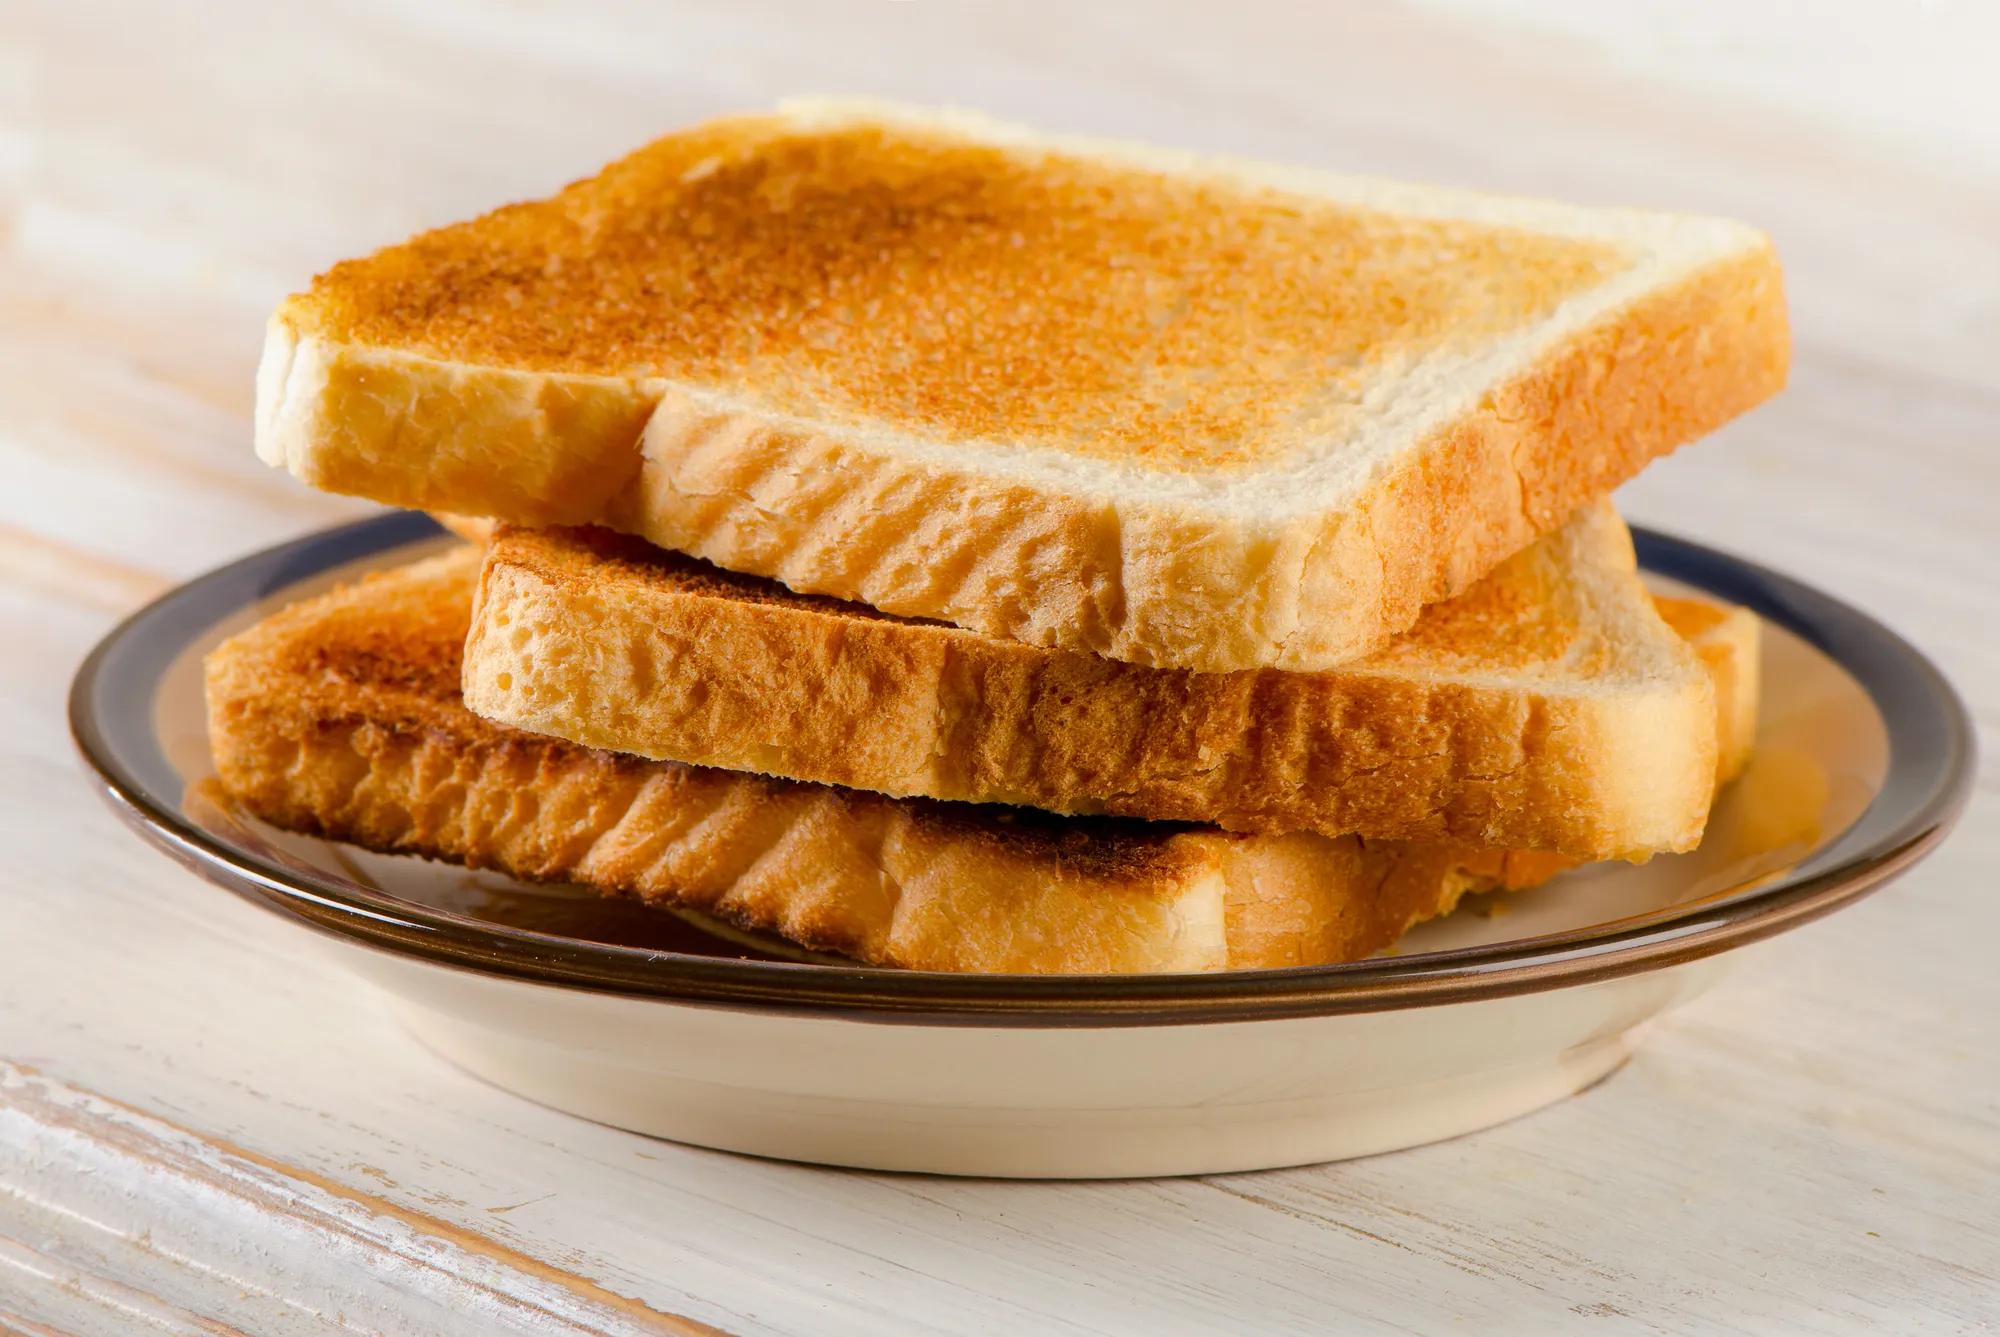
(122, 1216)
(1815, 1148)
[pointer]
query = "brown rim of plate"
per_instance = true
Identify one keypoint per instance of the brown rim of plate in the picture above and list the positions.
(1929, 777)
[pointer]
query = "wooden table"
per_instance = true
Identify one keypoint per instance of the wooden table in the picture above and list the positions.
(201, 1121)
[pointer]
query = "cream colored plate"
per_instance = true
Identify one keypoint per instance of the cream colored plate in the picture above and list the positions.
(671, 1026)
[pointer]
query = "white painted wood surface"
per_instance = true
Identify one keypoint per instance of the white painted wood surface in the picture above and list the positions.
(112, 1216)
(1814, 1149)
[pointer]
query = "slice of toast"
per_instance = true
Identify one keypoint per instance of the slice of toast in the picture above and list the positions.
(1549, 707)
(1184, 412)
(1728, 637)
(341, 716)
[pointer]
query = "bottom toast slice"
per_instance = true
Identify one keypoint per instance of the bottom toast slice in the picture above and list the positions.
(341, 716)
(1729, 640)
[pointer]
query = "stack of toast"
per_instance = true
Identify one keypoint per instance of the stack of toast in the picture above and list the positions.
(961, 549)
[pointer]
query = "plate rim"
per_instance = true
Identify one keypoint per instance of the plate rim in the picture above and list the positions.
(1934, 712)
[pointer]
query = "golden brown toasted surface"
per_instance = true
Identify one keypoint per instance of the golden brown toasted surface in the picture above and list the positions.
(1522, 714)
(1689, 617)
(1539, 615)
(399, 639)
(341, 716)
(878, 273)
(403, 637)
(1729, 640)
(1726, 637)
(581, 557)
(1180, 412)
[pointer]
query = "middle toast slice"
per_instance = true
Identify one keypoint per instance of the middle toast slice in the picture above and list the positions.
(1549, 707)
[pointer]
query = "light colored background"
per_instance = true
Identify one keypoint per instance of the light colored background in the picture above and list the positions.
(1815, 1148)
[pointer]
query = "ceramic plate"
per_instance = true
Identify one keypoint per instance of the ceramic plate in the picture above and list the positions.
(679, 1027)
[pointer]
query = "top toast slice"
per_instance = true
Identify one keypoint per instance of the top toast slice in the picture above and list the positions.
(1178, 411)
(1549, 707)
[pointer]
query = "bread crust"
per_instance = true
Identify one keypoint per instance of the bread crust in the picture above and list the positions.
(1169, 574)
(1729, 639)
(1549, 708)
(340, 717)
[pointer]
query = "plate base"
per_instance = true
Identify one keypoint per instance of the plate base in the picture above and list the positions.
(1024, 1144)
(1055, 1103)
